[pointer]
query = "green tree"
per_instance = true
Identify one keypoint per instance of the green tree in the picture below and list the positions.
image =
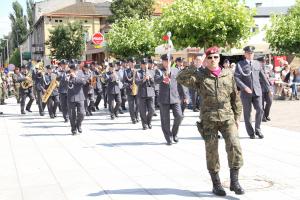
(225, 23)
(130, 8)
(30, 8)
(67, 41)
(284, 33)
(18, 24)
(15, 58)
(132, 37)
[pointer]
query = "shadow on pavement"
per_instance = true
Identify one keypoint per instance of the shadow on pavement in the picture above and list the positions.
(39, 134)
(160, 191)
(131, 144)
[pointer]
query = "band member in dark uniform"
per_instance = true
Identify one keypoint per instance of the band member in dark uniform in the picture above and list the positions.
(146, 93)
(76, 80)
(113, 91)
(88, 90)
(53, 100)
(131, 90)
(169, 99)
(40, 90)
(25, 78)
(63, 88)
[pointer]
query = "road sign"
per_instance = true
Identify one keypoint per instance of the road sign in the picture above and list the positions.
(97, 38)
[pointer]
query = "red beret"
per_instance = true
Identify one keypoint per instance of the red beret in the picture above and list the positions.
(212, 50)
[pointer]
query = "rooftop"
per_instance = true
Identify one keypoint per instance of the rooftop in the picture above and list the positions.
(268, 11)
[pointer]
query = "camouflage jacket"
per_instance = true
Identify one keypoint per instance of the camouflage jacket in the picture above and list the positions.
(220, 99)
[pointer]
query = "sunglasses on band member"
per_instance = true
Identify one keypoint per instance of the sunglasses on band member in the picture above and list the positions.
(211, 57)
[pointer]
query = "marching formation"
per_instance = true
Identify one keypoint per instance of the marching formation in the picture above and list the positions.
(76, 88)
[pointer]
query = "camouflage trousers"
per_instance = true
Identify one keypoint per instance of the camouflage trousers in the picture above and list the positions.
(209, 132)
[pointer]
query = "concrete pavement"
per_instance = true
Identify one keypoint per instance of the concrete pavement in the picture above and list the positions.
(41, 160)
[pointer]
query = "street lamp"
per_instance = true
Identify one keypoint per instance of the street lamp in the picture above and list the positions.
(7, 49)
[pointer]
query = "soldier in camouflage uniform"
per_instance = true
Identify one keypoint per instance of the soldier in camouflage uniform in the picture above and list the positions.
(220, 111)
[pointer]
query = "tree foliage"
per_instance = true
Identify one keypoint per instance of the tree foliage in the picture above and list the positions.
(18, 24)
(15, 58)
(132, 37)
(30, 9)
(130, 8)
(284, 33)
(205, 23)
(67, 41)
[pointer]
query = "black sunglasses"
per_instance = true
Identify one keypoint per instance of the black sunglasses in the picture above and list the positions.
(211, 57)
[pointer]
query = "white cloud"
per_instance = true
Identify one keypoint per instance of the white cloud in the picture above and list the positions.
(5, 26)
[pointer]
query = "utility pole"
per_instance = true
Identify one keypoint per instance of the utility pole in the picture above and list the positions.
(7, 50)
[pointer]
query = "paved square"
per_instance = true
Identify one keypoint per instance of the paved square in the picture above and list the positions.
(41, 160)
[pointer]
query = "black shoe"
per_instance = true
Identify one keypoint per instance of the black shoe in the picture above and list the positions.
(1, 113)
(154, 114)
(175, 139)
(112, 117)
(259, 134)
(264, 119)
(97, 108)
(79, 129)
(124, 108)
(196, 110)
(234, 182)
(252, 136)
(116, 114)
(93, 109)
(105, 106)
(217, 186)
(145, 128)
(133, 121)
(169, 143)
(42, 114)
(23, 112)
(87, 114)
(52, 116)
(28, 110)
(74, 132)
(121, 112)
(137, 120)
(149, 126)
(66, 120)
(268, 118)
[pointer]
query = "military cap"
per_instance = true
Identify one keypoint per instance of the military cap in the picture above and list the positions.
(63, 62)
(111, 65)
(249, 48)
(261, 58)
(212, 50)
(144, 61)
(150, 61)
(72, 66)
(86, 65)
(165, 57)
(48, 66)
(179, 59)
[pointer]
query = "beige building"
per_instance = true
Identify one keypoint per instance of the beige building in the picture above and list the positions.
(92, 15)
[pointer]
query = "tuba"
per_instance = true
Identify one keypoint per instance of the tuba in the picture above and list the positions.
(28, 82)
(134, 88)
(53, 84)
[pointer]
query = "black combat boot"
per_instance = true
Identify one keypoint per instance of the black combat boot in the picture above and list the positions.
(217, 187)
(234, 182)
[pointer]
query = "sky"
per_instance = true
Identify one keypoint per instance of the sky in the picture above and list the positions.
(6, 9)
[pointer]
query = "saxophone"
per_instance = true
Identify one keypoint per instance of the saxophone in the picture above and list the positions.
(134, 88)
(28, 82)
(52, 86)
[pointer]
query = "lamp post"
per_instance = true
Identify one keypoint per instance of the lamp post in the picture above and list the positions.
(19, 46)
(7, 50)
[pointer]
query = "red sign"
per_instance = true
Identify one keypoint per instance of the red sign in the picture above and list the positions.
(277, 60)
(98, 38)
